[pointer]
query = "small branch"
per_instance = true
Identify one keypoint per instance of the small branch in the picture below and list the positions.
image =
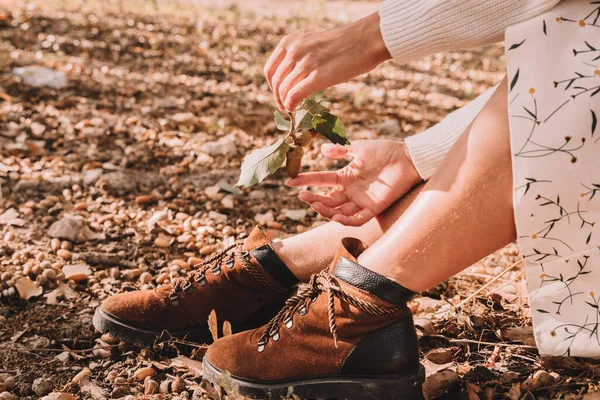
(522, 346)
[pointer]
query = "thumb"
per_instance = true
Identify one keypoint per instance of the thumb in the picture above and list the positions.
(334, 151)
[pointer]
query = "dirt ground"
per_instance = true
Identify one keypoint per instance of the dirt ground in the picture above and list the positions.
(133, 163)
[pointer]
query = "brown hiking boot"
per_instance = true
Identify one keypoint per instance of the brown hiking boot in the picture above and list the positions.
(245, 286)
(347, 335)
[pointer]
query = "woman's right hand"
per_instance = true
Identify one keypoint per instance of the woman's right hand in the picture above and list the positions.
(303, 64)
(380, 173)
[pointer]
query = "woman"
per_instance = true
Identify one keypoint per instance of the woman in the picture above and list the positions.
(519, 162)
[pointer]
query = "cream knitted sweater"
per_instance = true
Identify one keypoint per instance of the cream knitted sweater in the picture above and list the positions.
(415, 28)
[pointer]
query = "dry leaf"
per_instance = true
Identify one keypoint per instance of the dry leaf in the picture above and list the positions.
(182, 363)
(63, 291)
(213, 326)
(76, 270)
(227, 329)
(28, 288)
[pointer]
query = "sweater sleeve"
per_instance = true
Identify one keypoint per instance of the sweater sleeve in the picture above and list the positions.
(415, 28)
(428, 148)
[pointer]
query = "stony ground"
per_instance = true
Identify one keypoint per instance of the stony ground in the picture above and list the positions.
(119, 179)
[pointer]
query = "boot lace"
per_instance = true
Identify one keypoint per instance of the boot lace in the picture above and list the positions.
(323, 282)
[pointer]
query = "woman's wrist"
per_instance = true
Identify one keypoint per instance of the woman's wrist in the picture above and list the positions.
(369, 38)
(412, 172)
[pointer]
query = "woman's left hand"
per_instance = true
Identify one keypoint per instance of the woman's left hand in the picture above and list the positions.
(380, 173)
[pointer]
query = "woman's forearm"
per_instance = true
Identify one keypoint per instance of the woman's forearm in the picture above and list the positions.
(415, 28)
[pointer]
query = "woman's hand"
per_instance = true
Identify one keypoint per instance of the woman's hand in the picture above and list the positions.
(303, 64)
(380, 173)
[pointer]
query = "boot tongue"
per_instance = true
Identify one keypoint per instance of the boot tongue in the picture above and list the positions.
(256, 239)
(345, 268)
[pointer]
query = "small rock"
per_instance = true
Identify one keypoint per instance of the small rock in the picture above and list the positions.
(539, 379)
(143, 199)
(76, 272)
(36, 76)
(84, 373)
(67, 228)
(109, 339)
(42, 386)
(165, 387)
(163, 240)
(7, 396)
(59, 396)
(90, 176)
(55, 244)
(222, 147)
(217, 217)
(206, 250)
(150, 387)
(119, 391)
(161, 278)
(178, 385)
(145, 278)
(228, 201)
(264, 219)
(2, 320)
(37, 129)
(102, 352)
(257, 195)
(144, 372)
(295, 215)
(64, 254)
(213, 193)
(49, 274)
(131, 274)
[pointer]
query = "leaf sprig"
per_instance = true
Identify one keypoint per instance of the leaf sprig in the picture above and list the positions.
(313, 117)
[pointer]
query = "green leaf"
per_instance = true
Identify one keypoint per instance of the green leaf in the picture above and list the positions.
(263, 162)
(331, 127)
(282, 123)
(303, 120)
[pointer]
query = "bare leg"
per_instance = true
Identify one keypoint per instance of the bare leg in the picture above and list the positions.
(312, 251)
(464, 213)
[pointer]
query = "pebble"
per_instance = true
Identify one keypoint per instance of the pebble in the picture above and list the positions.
(131, 274)
(49, 274)
(36, 270)
(185, 238)
(9, 236)
(143, 199)
(163, 240)
(143, 373)
(55, 244)
(7, 396)
(181, 263)
(161, 278)
(206, 250)
(194, 261)
(150, 387)
(59, 396)
(42, 386)
(6, 275)
(145, 278)
(8, 382)
(119, 391)
(178, 385)
(81, 375)
(64, 254)
(165, 386)
(109, 339)
(41, 280)
(2, 320)
(46, 264)
(102, 352)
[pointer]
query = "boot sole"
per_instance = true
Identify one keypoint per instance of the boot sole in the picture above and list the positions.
(331, 387)
(142, 336)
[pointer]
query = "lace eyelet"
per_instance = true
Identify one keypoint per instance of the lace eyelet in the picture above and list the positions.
(275, 337)
(302, 311)
(201, 280)
(174, 298)
(216, 271)
(261, 347)
(188, 287)
(289, 323)
(246, 254)
(230, 263)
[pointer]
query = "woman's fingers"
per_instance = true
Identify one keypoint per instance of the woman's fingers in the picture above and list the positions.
(273, 62)
(332, 200)
(349, 209)
(320, 178)
(334, 151)
(292, 79)
(323, 210)
(356, 220)
(283, 69)
(301, 90)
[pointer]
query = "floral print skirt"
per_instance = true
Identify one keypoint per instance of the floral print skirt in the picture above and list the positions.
(554, 106)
